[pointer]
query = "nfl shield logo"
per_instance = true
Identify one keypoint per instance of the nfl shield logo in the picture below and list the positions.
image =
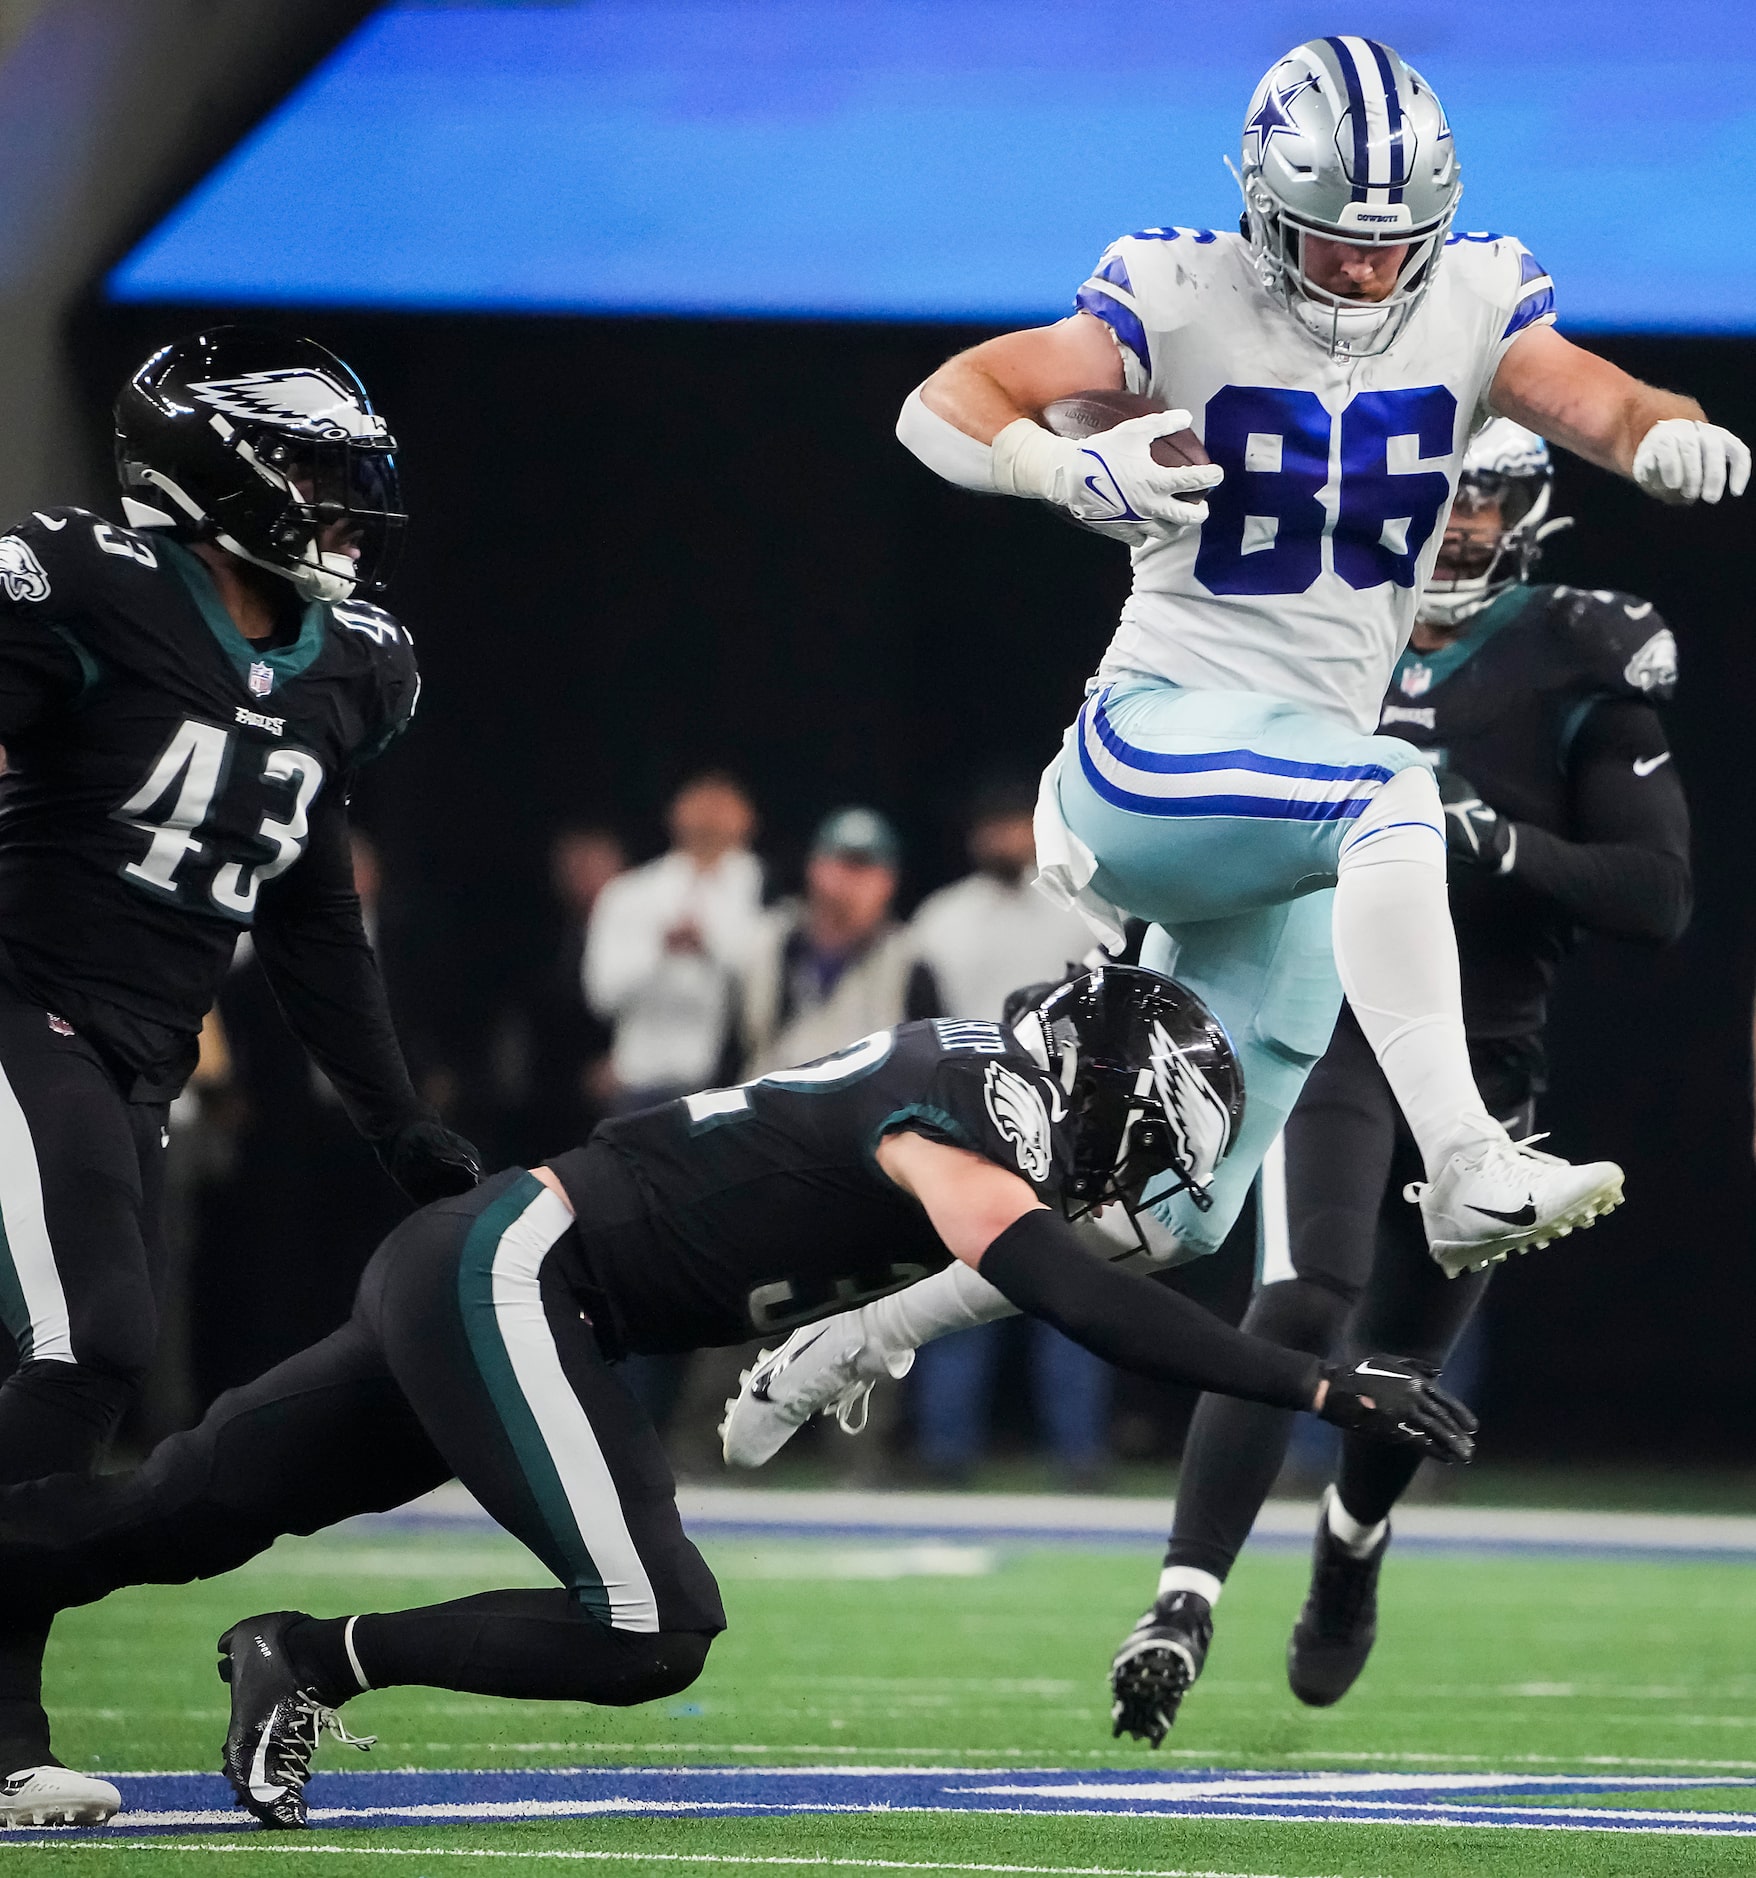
(261, 680)
(1414, 681)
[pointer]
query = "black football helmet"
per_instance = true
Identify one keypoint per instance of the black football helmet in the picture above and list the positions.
(1153, 1084)
(269, 446)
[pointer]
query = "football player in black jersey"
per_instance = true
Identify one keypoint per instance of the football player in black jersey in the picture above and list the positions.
(482, 1342)
(1563, 812)
(183, 704)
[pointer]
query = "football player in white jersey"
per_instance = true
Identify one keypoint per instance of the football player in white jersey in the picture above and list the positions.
(1222, 780)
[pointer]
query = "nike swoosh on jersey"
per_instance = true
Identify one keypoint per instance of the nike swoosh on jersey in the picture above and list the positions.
(48, 521)
(1525, 1216)
(1637, 612)
(1645, 765)
(260, 1789)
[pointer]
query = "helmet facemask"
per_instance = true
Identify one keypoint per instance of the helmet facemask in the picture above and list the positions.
(1506, 468)
(1346, 328)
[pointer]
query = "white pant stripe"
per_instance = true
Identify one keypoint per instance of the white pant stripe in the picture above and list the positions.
(27, 1234)
(1274, 1240)
(562, 1422)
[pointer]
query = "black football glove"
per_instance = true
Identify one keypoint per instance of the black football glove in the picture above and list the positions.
(1391, 1398)
(1476, 835)
(429, 1161)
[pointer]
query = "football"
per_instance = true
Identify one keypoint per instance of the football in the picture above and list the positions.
(1088, 412)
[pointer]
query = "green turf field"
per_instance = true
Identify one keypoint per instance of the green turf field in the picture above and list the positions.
(986, 1658)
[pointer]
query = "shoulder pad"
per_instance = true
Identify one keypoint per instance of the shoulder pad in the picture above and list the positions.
(392, 654)
(1619, 644)
(1506, 273)
(55, 553)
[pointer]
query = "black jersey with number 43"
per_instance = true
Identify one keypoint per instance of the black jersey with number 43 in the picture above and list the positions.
(762, 1207)
(161, 771)
(1544, 703)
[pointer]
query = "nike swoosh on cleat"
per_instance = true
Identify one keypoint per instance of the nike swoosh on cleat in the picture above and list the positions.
(1525, 1216)
(258, 1783)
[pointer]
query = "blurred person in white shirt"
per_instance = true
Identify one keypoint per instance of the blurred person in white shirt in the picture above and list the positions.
(984, 936)
(989, 933)
(666, 941)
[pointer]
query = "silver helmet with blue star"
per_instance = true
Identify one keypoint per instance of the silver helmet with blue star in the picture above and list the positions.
(1344, 140)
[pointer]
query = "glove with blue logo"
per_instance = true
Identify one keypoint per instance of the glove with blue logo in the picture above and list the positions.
(1110, 481)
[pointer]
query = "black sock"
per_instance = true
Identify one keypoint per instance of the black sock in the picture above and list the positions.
(533, 1644)
(1373, 1477)
(1235, 1449)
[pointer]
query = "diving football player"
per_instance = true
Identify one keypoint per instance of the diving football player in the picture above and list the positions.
(1563, 813)
(485, 1329)
(1227, 778)
(183, 703)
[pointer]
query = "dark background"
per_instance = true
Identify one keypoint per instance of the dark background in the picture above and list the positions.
(646, 547)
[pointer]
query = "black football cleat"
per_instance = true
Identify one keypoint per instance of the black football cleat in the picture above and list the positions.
(1339, 1624)
(1157, 1666)
(277, 1722)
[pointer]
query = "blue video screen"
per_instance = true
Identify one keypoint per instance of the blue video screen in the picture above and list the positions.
(935, 159)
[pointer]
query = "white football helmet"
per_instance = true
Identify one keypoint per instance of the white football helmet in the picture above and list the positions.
(1506, 465)
(1344, 140)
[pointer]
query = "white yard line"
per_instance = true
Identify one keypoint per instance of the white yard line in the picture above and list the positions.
(1106, 1517)
(661, 1858)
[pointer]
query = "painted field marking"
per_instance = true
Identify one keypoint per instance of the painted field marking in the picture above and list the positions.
(1492, 1799)
(664, 1858)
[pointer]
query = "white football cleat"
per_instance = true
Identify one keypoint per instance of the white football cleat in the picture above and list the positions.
(822, 1369)
(56, 1796)
(1495, 1196)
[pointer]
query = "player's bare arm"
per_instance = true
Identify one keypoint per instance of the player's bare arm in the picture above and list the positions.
(1662, 440)
(994, 384)
(975, 422)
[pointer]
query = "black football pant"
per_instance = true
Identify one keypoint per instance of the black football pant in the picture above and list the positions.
(1361, 1280)
(81, 1180)
(468, 1355)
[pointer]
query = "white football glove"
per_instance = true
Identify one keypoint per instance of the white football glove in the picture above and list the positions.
(1682, 459)
(1109, 482)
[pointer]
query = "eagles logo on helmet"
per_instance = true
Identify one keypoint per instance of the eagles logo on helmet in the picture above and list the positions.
(269, 446)
(1152, 1082)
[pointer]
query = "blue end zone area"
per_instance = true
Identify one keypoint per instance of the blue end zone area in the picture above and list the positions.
(163, 1804)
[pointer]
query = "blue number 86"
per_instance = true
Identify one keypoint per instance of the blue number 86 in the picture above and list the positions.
(1266, 521)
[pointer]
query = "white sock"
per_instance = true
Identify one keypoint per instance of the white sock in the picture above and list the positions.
(954, 1299)
(1396, 955)
(1353, 1538)
(1187, 1578)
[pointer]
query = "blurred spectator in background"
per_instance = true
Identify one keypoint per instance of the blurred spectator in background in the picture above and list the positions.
(982, 937)
(836, 965)
(666, 940)
(553, 1050)
(826, 970)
